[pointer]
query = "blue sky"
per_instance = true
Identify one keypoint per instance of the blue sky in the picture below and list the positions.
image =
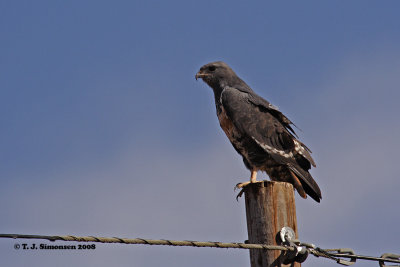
(105, 132)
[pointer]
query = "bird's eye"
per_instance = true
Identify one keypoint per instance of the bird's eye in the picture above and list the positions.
(211, 68)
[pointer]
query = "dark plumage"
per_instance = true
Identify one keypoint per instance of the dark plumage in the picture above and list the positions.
(259, 131)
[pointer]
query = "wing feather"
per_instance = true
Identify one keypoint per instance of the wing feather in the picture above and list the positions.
(260, 124)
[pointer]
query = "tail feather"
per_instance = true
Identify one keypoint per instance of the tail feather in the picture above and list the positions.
(308, 184)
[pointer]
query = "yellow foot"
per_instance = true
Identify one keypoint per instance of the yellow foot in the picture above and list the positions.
(242, 186)
(253, 179)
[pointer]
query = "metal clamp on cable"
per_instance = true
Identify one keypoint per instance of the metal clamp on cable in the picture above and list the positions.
(390, 256)
(345, 251)
(288, 238)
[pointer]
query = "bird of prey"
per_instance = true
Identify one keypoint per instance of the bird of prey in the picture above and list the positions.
(259, 131)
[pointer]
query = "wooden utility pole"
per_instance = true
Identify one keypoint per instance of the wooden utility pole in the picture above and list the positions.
(269, 207)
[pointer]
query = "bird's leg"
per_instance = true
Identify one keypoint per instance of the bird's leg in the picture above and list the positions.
(253, 177)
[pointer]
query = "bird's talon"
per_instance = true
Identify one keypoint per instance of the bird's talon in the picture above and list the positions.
(239, 195)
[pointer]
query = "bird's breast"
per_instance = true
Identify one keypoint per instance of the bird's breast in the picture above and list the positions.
(226, 123)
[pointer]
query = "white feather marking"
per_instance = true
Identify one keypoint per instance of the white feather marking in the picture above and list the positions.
(274, 150)
(298, 147)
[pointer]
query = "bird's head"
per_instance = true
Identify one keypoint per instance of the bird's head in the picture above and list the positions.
(217, 74)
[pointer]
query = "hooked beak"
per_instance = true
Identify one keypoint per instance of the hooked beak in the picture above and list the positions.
(200, 75)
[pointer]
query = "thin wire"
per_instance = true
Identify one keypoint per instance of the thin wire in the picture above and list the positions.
(326, 253)
(142, 241)
(362, 257)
